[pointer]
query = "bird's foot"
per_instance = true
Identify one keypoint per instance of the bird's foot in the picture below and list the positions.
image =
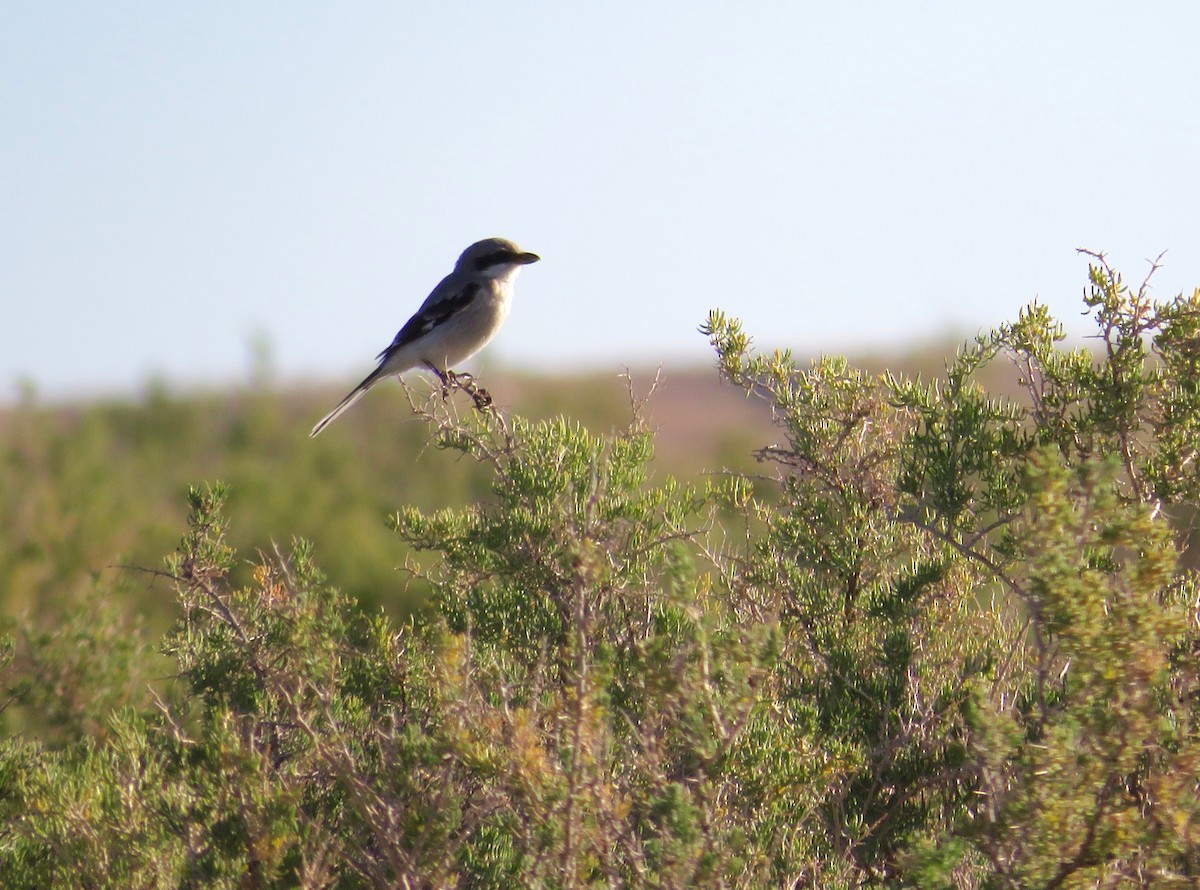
(481, 397)
(464, 381)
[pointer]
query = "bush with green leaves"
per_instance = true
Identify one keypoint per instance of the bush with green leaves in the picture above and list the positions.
(946, 640)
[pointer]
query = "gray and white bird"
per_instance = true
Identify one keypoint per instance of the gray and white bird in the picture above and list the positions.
(459, 318)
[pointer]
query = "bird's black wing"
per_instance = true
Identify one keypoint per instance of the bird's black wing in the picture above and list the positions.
(436, 309)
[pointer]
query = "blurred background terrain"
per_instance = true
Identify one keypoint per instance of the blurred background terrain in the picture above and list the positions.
(92, 491)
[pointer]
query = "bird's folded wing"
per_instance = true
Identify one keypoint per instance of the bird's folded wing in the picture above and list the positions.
(435, 311)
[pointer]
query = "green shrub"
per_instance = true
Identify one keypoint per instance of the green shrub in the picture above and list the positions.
(946, 641)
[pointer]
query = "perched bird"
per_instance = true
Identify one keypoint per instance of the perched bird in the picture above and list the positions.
(457, 319)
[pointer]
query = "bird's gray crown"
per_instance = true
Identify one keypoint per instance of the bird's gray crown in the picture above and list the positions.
(492, 252)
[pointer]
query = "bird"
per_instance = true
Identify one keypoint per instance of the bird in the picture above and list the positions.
(458, 318)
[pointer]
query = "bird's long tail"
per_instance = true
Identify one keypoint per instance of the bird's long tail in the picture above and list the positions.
(355, 394)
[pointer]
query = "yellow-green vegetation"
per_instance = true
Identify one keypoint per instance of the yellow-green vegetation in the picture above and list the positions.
(86, 489)
(939, 635)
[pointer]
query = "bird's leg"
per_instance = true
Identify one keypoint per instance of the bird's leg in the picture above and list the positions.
(446, 379)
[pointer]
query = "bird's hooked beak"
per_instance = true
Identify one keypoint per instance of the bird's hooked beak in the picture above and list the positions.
(526, 258)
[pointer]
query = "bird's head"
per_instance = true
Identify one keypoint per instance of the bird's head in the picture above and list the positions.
(494, 257)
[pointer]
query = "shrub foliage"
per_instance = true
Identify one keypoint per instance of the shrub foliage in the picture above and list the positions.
(945, 640)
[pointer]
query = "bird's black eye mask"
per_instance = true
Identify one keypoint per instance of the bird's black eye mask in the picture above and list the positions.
(494, 259)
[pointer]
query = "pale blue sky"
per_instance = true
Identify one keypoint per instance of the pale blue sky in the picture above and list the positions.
(176, 179)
